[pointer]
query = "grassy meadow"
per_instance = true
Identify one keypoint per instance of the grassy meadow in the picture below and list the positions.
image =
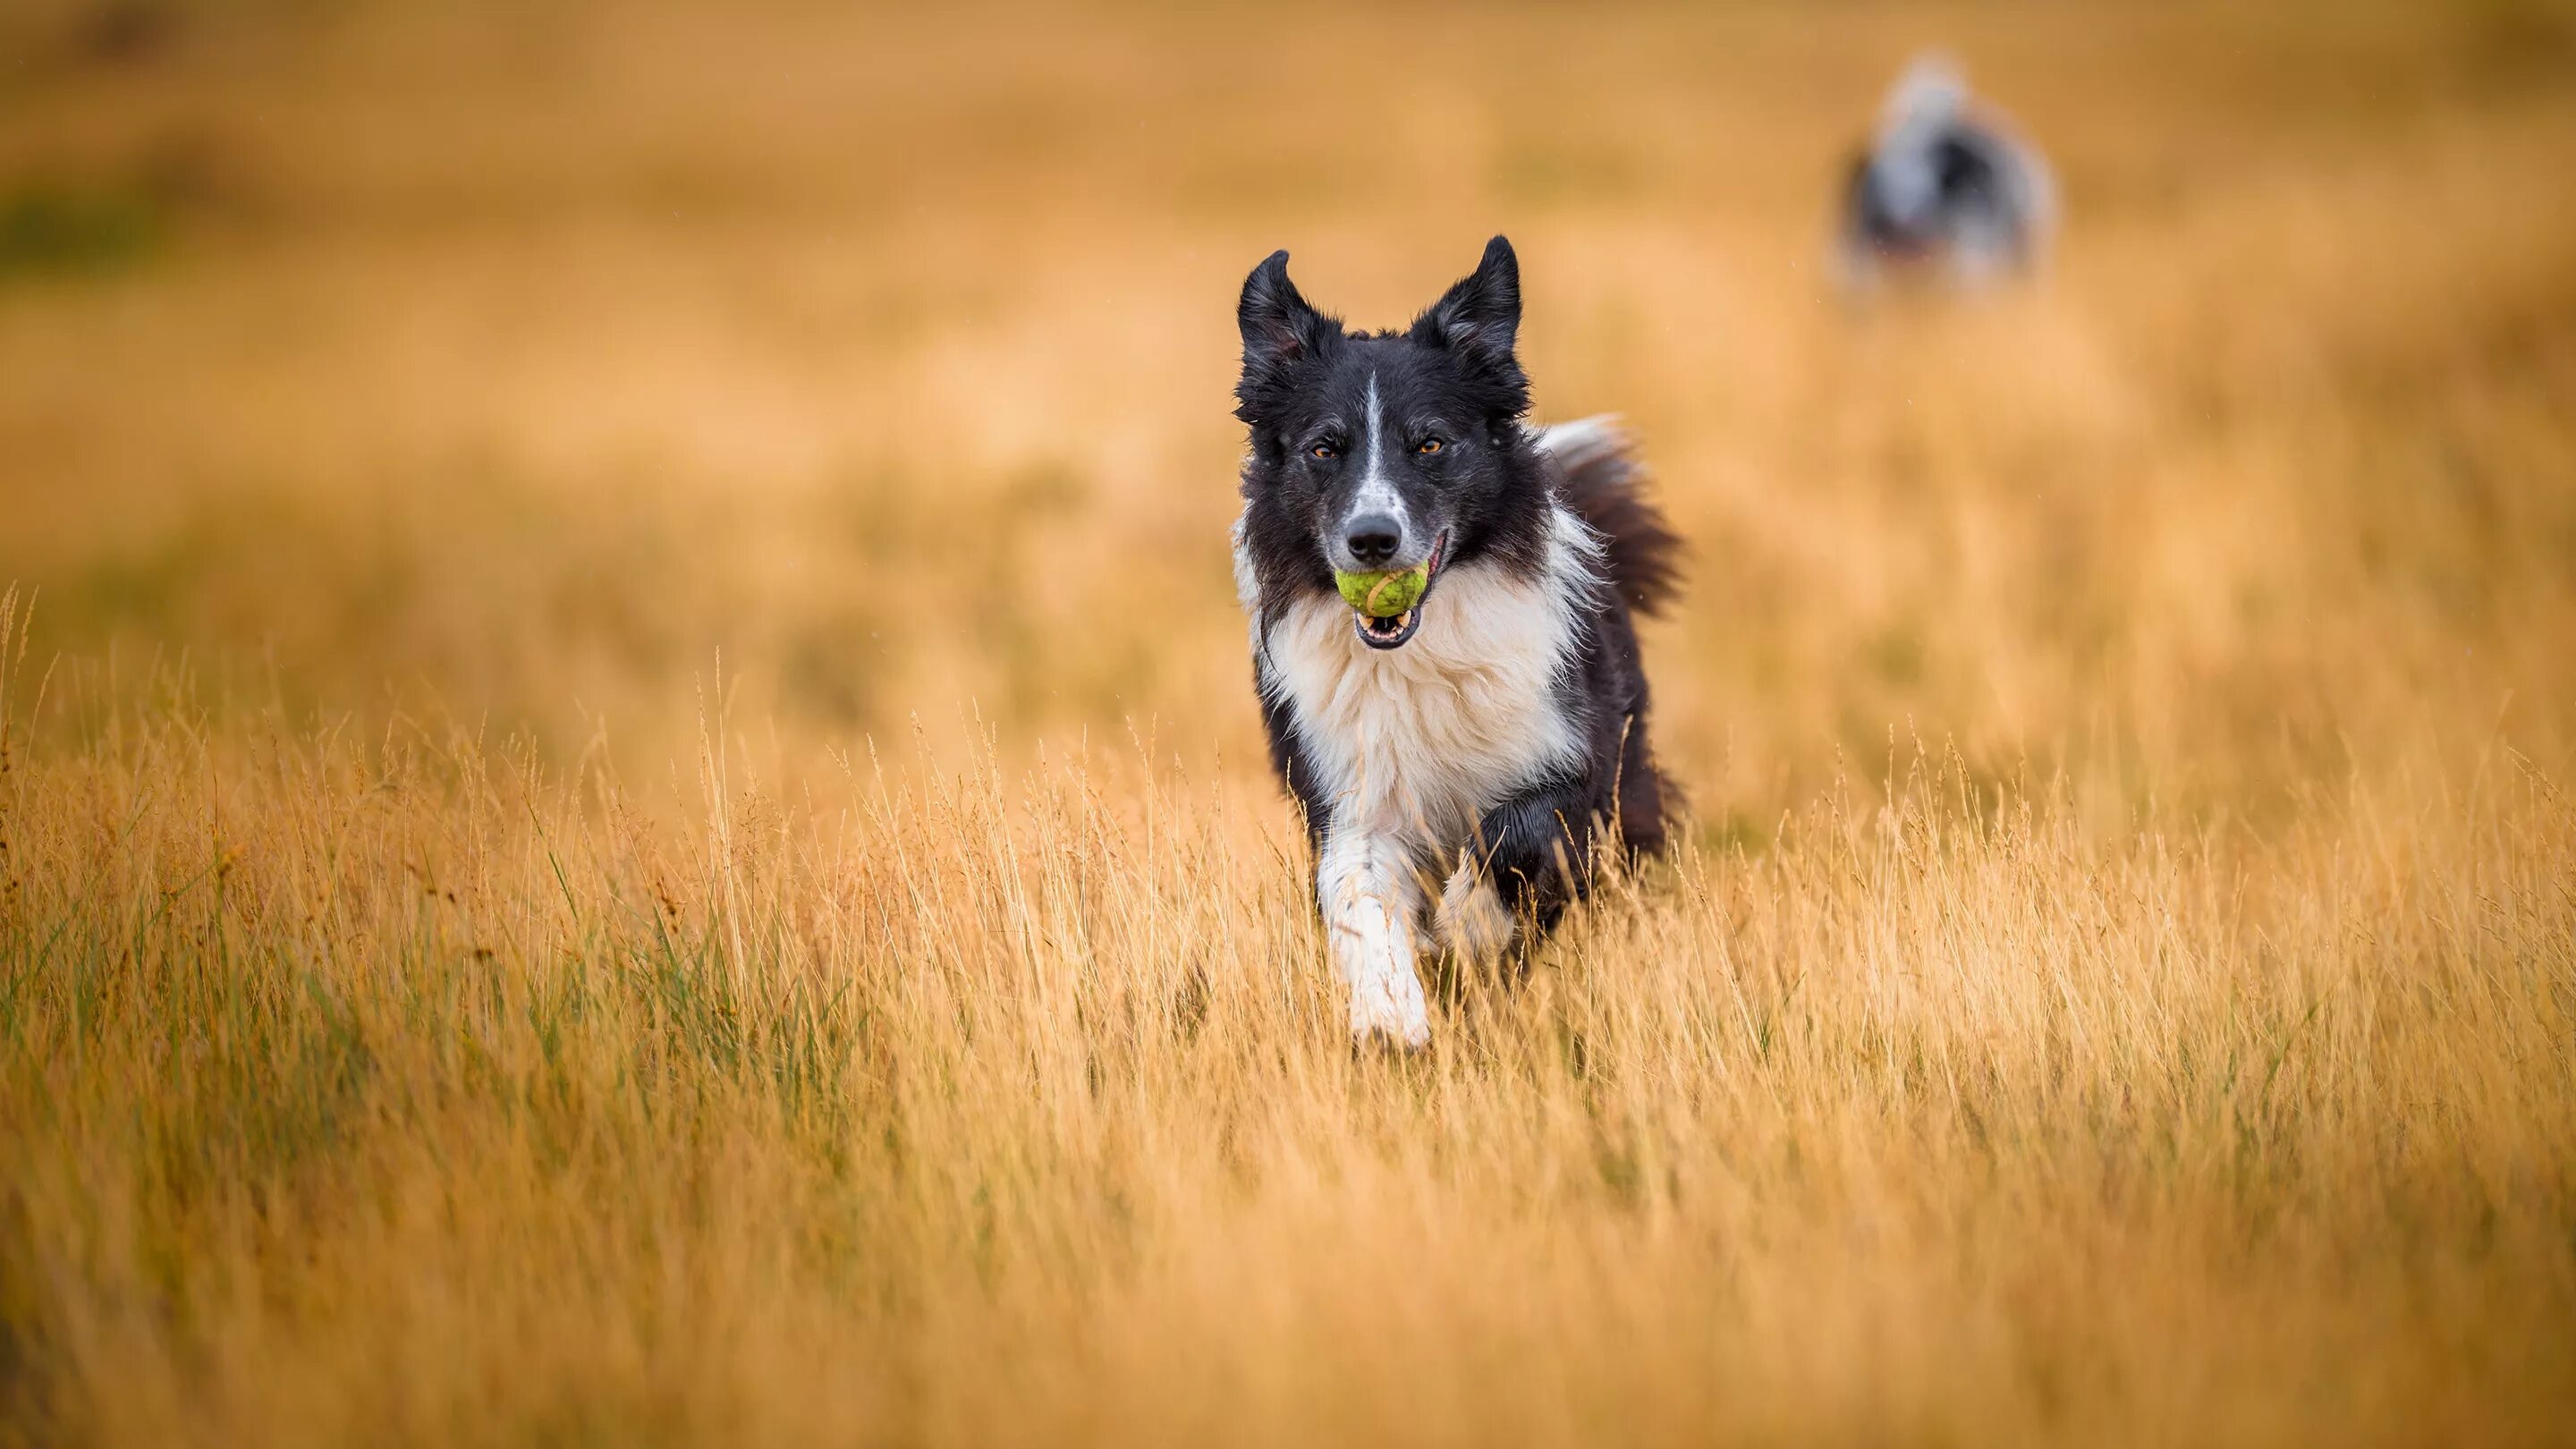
(631, 812)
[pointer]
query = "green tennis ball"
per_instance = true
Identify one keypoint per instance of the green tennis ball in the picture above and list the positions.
(1386, 594)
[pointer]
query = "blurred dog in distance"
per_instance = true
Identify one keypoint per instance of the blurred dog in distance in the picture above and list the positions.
(1945, 193)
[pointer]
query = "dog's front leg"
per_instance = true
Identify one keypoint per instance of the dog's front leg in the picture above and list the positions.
(1532, 856)
(1371, 903)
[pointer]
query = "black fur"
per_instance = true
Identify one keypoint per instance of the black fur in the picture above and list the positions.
(1454, 375)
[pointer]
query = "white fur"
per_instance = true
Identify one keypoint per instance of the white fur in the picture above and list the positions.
(1583, 441)
(1413, 745)
(1372, 906)
(1471, 917)
(1375, 494)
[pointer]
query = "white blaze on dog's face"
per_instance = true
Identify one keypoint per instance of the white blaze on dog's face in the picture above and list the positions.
(1375, 530)
(1386, 451)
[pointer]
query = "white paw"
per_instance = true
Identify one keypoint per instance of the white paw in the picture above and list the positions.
(1473, 921)
(1388, 1005)
(1372, 918)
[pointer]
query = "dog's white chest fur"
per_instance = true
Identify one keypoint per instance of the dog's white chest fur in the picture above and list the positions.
(1417, 743)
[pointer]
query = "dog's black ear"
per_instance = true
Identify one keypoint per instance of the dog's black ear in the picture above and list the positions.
(1281, 331)
(1480, 320)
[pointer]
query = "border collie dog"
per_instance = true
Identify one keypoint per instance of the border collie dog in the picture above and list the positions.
(1459, 763)
(1945, 189)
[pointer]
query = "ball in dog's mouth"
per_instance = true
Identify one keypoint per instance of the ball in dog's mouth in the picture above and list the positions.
(1386, 606)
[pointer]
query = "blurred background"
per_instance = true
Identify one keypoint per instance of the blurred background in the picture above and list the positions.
(512, 366)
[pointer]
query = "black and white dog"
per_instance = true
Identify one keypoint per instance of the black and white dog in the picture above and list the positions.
(1458, 764)
(1946, 190)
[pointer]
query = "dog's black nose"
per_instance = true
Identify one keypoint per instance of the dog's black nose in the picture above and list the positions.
(1372, 538)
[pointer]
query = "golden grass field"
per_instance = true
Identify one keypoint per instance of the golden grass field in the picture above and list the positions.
(630, 809)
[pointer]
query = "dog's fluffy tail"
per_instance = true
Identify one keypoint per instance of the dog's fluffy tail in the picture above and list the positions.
(1605, 486)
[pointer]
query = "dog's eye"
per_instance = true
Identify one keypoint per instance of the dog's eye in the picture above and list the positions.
(1429, 445)
(1325, 450)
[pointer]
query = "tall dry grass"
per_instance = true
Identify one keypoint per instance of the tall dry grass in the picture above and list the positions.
(629, 809)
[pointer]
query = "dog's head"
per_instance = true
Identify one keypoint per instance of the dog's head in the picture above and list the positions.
(1385, 451)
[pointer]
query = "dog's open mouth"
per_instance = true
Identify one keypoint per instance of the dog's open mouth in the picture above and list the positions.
(1388, 633)
(1393, 631)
